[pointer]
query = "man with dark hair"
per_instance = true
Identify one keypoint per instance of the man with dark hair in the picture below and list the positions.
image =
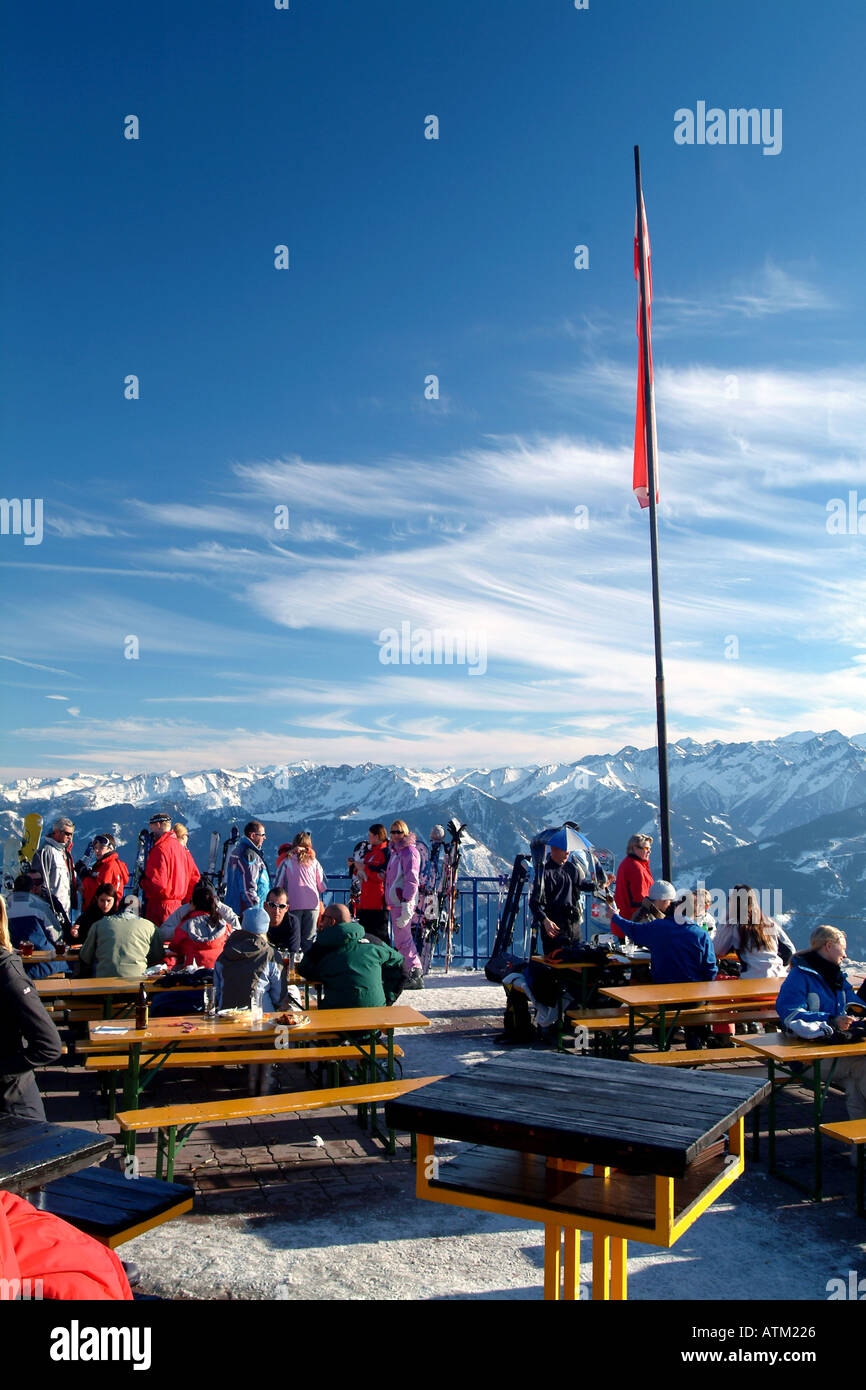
(247, 877)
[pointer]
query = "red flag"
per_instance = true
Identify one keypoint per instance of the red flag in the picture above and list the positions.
(639, 481)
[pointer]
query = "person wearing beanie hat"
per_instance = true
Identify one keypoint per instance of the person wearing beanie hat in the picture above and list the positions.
(249, 967)
(256, 921)
(661, 892)
(107, 869)
(251, 970)
(679, 950)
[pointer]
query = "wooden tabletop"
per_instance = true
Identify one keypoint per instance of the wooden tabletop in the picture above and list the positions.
(637, 1118)
(322, 1021)
(58, 986)
(70, 954)
(693, 992)
(33, 1152)
(785, 1048)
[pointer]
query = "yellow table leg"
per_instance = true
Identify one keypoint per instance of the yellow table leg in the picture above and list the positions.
(619, 1270)
(552, 1261)
(571, 1269)
(600, 1267)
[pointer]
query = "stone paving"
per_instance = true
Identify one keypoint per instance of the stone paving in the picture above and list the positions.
(322, 1168)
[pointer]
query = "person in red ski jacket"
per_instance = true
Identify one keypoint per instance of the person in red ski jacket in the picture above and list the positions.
(371, 866)
(42, 1256)
(166, 876)
(634, 876)
(201, 933)
(108, 869)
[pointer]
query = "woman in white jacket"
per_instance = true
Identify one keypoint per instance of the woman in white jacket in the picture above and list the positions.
(763, 947)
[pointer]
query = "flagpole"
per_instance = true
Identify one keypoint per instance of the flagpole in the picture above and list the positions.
(649, 420)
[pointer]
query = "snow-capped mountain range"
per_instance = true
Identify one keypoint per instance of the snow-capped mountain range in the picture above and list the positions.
(785, 814)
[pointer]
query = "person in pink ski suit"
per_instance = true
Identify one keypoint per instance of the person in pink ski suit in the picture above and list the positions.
(401, 898)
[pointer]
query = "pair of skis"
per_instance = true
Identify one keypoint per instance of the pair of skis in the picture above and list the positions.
(437, 908)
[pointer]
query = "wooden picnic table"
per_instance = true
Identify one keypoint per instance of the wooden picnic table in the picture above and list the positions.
(581, 1143)
(33, 1152)
(148, 1048)
(799, 1062)
(70, 955)
(652, 1004)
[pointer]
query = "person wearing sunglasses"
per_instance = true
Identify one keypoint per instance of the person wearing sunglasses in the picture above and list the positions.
(108, 870)
(54, 861)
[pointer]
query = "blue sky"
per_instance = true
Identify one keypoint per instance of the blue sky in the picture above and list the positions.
(305, 388)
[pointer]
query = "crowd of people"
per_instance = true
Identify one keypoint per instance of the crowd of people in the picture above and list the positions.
(245, 942)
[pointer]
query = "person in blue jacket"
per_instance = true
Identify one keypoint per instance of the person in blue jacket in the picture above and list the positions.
(813, 1002)
(679, 950)
(31, 919)
(247, 877)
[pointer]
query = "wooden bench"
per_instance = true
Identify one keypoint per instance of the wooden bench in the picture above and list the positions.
(175, 1123)
(689, 1057)
(228, 1057)
(852, 1132)
(614, 1021)
(111, 1207)
(108, 1064)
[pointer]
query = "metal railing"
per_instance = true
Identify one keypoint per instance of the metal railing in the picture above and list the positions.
(477, 913)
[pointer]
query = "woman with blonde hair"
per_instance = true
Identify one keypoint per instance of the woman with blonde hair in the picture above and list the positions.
(401, 898)
(300, 875)
(28, 1038)
(813, 1003)
(634, 876)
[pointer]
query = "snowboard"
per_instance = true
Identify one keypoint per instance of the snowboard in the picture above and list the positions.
(30, 839)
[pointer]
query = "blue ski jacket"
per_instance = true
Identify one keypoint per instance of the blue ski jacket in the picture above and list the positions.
(247, 877)
(679, 951)
(805, 995)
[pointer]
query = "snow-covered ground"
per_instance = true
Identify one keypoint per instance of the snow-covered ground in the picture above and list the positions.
(364, 1235)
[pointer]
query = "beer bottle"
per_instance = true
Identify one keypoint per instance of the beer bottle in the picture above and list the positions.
(142, 1008)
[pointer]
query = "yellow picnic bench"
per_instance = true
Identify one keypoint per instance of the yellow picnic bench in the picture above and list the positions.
(175, 1123)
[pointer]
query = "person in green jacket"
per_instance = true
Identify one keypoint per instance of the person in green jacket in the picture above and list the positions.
(123, 945)
(354, 972)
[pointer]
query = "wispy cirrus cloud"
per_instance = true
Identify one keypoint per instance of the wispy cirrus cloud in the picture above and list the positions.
(770, 292)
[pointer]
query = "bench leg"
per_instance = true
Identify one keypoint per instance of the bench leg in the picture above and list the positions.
(169, 1162)
(771, 1117)
(756, 1133)
(818, 1098)
(861, 1204)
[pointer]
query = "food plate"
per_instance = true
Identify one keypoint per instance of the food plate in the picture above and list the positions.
(291, 1020)
(233, 1013)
